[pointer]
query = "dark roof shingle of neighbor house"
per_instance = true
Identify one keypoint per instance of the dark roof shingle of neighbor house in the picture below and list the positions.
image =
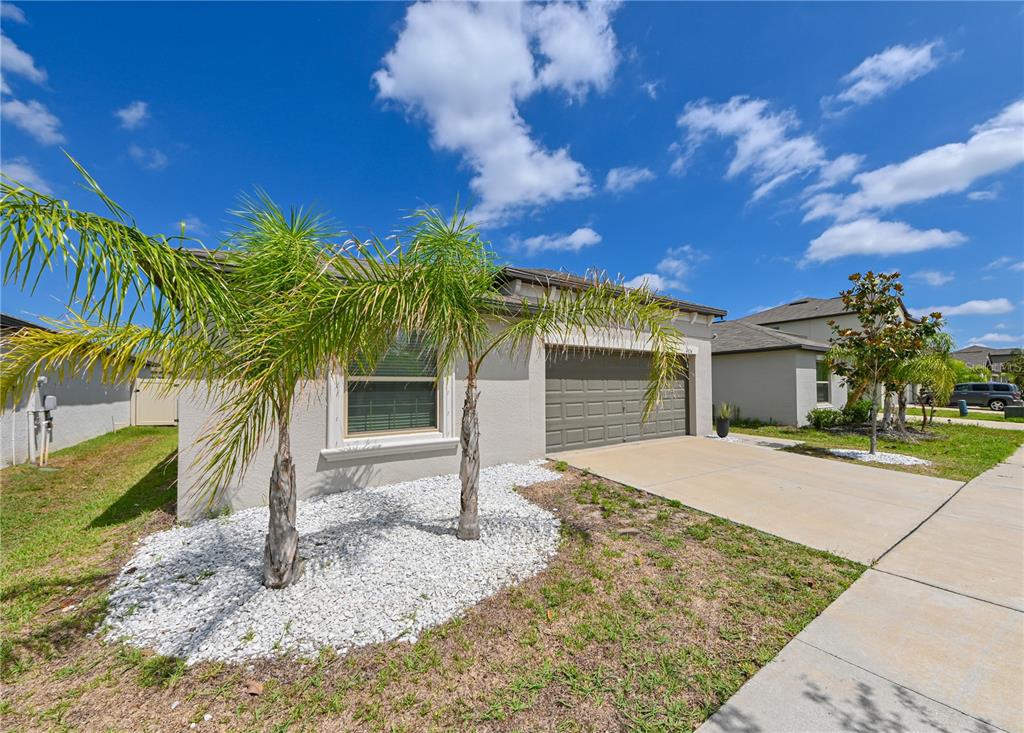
(734, 337)
(799, 310)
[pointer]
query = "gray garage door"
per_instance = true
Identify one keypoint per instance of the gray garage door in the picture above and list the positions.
(597, 399)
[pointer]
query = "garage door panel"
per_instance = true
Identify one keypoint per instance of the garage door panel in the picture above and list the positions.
(597, 399)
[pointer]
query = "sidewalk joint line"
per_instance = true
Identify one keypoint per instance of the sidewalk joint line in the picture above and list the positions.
(894, 682)
(948, 590)
(921, 523)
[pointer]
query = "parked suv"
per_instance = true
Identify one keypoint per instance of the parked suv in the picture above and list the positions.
(993, 395)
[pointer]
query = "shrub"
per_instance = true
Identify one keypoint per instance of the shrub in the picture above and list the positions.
(858, 413)
(825, 417)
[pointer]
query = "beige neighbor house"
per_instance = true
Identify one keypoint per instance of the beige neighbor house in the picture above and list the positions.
(548, 398)
(770, 363)
(84, 409)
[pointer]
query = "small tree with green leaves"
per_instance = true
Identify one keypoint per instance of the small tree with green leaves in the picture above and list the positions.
(1013, 369)
(886, 338)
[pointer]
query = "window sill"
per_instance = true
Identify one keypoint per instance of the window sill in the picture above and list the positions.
(360, 449)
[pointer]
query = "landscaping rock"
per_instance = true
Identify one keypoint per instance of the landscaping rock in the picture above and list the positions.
(890, 458)
(381, 563)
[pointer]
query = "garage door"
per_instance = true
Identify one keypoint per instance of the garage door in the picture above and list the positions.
(597, 399)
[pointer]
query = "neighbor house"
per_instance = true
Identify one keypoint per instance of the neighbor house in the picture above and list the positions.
(770, 364)
(85, 408)
(550, 397)
(991, 359)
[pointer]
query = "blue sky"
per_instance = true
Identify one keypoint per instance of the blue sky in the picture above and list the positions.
(737, 155)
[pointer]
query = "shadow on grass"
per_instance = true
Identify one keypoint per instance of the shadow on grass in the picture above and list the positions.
(153, 491)
(814, 450)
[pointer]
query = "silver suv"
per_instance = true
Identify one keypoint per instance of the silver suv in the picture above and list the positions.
(993, 395)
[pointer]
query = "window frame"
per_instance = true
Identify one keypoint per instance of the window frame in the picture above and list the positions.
(818, 382)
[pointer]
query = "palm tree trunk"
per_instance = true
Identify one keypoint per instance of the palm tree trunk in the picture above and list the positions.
(901, 410)
(469, 468)
(281, 565)
(887, 410)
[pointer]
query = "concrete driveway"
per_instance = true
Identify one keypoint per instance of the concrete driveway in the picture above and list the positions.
(931, 639)
(854, 511)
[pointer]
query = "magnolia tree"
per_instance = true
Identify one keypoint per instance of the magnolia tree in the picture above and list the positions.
(887, 338)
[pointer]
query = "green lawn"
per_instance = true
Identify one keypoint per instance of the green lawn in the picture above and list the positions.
(65, 529)
(648, 618)
(972, 414)
(959, 452)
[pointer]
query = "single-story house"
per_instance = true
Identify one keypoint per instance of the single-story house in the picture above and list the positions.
(770, 363)
(548, 398)
(85, 408)
(991, 359)
(771, 375)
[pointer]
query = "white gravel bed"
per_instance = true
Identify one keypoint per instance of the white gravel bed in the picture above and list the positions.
(381, 563)
(890, 458)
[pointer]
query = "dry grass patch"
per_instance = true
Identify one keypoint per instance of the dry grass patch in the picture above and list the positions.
(650, 616)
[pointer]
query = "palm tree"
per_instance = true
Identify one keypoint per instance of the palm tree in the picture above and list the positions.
(467, 318)
(252, 321)
(935, 370)
(277, 307)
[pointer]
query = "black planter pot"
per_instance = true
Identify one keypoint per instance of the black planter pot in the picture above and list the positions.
(722, 426)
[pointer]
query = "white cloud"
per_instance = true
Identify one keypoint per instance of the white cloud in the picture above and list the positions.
(766, 144)
(133, 115)
(574, 242)
(16, 61)
(9, 11)
(34, 118)
(151, 159)
(1002, 263)
(991, 307)
(671, 272)
(651, 88)
(878, 75)
(996, 145)
(933, 277)
(20, 170)
(879, 238)
(626, 178)
(466, 67)
(989, 194)
(835, 172)
(579, 44)
(997, 338)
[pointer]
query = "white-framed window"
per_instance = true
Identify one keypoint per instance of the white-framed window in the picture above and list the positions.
(823, 382)
(403, 407)
(400, 395)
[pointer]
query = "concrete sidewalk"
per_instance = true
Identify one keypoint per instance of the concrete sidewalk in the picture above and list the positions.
(931, 639)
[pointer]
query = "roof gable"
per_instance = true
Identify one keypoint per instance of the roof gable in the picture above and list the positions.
(731, 337)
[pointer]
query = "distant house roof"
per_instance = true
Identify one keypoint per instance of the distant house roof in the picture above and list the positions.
(9, 324)
(735, 337)
(557, 278)
(978, 355)
(803, 309)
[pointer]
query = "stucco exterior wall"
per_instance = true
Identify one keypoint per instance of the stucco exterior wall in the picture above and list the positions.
(763, 384)
(511, 410)
(816, 329)
(85, 408)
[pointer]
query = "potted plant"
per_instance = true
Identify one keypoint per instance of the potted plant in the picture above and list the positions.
(725, 414)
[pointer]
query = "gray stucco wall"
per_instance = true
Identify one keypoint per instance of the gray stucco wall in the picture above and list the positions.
(762, 384)
(774, 386)
(85, 409)
(511, 409)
